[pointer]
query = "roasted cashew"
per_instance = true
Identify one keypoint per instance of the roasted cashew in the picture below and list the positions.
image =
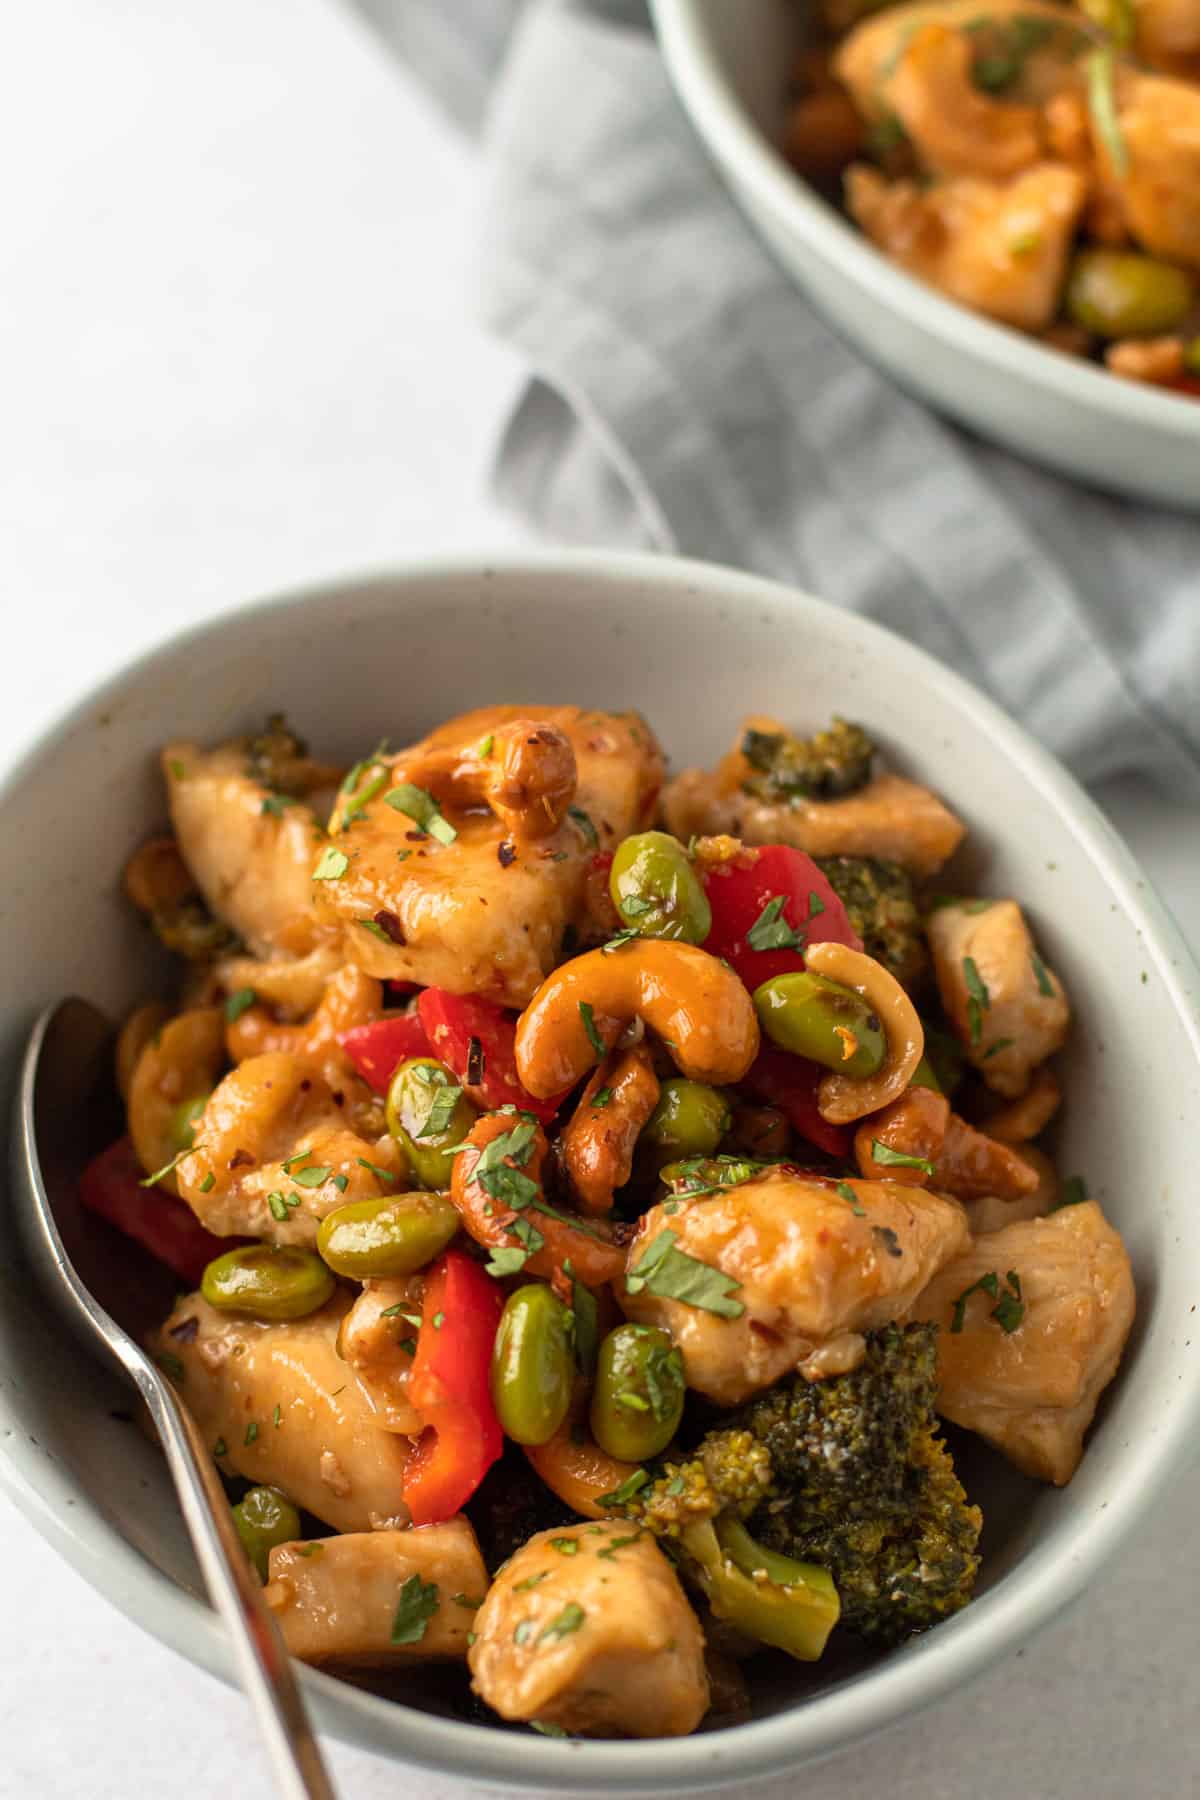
(573, 1465)
(599, 1140)
(293, 986)
(913, 1125)
(246, 1174)
(590, 1249)
(156, 876)
(350, 998)
(181, 1063)
(840, 1098)
(377, 1342)
(1023, 1119)
(143, 1024)
(697, 1006)
(524, 771)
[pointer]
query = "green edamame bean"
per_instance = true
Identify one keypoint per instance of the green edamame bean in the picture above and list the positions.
(637, 1401)
(533, 1364)
(264, 1519)
(814, 1017)
(183, 1122)
(427, 1111)
(690, 1119)
(267, 1282)
(1117, 293)
(656, 890)
(394, 1235)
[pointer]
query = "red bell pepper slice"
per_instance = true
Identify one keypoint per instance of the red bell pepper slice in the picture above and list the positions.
(162, 1224)
(739, 895)
(451, 1021)
(378, 1048)
(450, 1387)
(790, 1083)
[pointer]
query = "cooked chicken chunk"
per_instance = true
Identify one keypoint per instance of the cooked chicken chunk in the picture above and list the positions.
(176, 1067)
(890, 817)
(377, 1340)
(992, 1212)
(1168, 36)
(1030, 1381)
(266, 1130)
(588, 1628)
(1009, 1010)
(1158, 179)
(363, 1600)
(810, 1267)
(999, 247)
(283, 1408)
(485, 913)
(253, 866)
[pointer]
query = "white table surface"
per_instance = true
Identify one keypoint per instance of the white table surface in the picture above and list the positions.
(236, 352)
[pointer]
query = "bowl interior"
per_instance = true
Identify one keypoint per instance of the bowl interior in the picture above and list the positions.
(694, 649)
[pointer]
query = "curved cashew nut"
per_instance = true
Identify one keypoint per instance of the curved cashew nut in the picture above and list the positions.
(181, 1063)
(698, 1007)
(913, 1125)
(599, 1140)
(350, 998)
(143, 1024)
(369, 1341)
(524, 771)
(1024, 1118)
(573, 1465)
(592, 1253)
(956, 129)
(841, 1099)
(971, 1165)
(157, 876)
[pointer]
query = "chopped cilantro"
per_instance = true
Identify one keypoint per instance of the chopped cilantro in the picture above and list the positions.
(627, 1489)
(847, 1193)
(589, 1025)
(251, 1432)
(209, 1183)
(416, 1606)
(1045, 985)
(978, 998)
(239, 1003)
(898, 1159)
(566, 1546)
(1009, 1309)
(770, 931)
(421, 807)
(585, 825)
(564, 1623)
(312, 1177)
(602, 1096)
(332, 865)
(670, 1273)
(380, 1174)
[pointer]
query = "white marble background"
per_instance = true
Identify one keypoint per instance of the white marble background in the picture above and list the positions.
(236, 353)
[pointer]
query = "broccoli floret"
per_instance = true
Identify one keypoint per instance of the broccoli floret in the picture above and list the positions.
(878, 898)
(866, 1489)
(828, 764)
(730, 1472)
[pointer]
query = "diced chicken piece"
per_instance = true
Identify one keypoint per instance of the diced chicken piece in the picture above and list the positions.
(597, 1639)
(269, 1112)
(278, 1405)
(338, 1600)
(890, 817)
(810, 1268)
(1029, 1383)
(253, 866)
(292, 986)
(870, 56)
(485, 913)
(998, 247)
(1007, 1007)
(350, 998)
(179, 1064)
(1157, 175)
(992, 1212)
(378, 1341)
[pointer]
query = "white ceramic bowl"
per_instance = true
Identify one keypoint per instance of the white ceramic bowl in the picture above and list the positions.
(694, 647)
(729, 61)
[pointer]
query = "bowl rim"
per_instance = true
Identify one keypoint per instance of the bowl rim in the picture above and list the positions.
(743, 150)
(926, 1669)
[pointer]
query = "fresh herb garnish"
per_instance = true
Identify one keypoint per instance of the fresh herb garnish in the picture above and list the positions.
(672, 1274)
(602, 1096)
(566, 1546)
(251, 1432)
(277, 1206)
(622, 937)
(1009, 1309)
(421, 807)
(568, 1620)
(530, 1581)
(220, 1448)
(400, 1311)
(275, 805)
(770, 931)
(312, 1177)
(1045, 985)
(978, 998)
(441, 1113)
(416, 1606)
(847, 1193)
(1102, 101)
(696, 1175)
(380, 1174)
(628, 1488)
(239, 1003)
(999, 1045)
(589, 1025)
(898, 1159)
(167, 1169)
(332, 865)
(585, 825)
(209, 1183)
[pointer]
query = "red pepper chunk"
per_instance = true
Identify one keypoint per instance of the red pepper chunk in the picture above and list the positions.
(450, 1387)
(475, 1039)
(377, 1049)
(790, 1083)
(740, 895)
(167, 1227)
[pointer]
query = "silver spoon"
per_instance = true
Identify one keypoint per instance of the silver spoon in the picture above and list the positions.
(65, 1082)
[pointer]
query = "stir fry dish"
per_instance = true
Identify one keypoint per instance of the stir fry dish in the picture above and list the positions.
(588, 1195)
(1039, 163)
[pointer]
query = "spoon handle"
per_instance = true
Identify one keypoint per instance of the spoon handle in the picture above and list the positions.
(264, 1665)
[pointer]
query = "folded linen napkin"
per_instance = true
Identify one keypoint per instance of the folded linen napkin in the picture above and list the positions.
(684, 395)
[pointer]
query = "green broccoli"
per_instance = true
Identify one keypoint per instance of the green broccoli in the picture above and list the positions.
(696, 1509)
(823, 767)
(878, 898)
(866, 1489)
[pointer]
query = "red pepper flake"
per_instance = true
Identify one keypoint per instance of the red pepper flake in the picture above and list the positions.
(507, 854)
(390, 925)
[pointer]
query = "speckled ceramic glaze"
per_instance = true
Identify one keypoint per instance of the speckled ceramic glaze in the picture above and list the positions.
(729, 61)
(695, 648)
